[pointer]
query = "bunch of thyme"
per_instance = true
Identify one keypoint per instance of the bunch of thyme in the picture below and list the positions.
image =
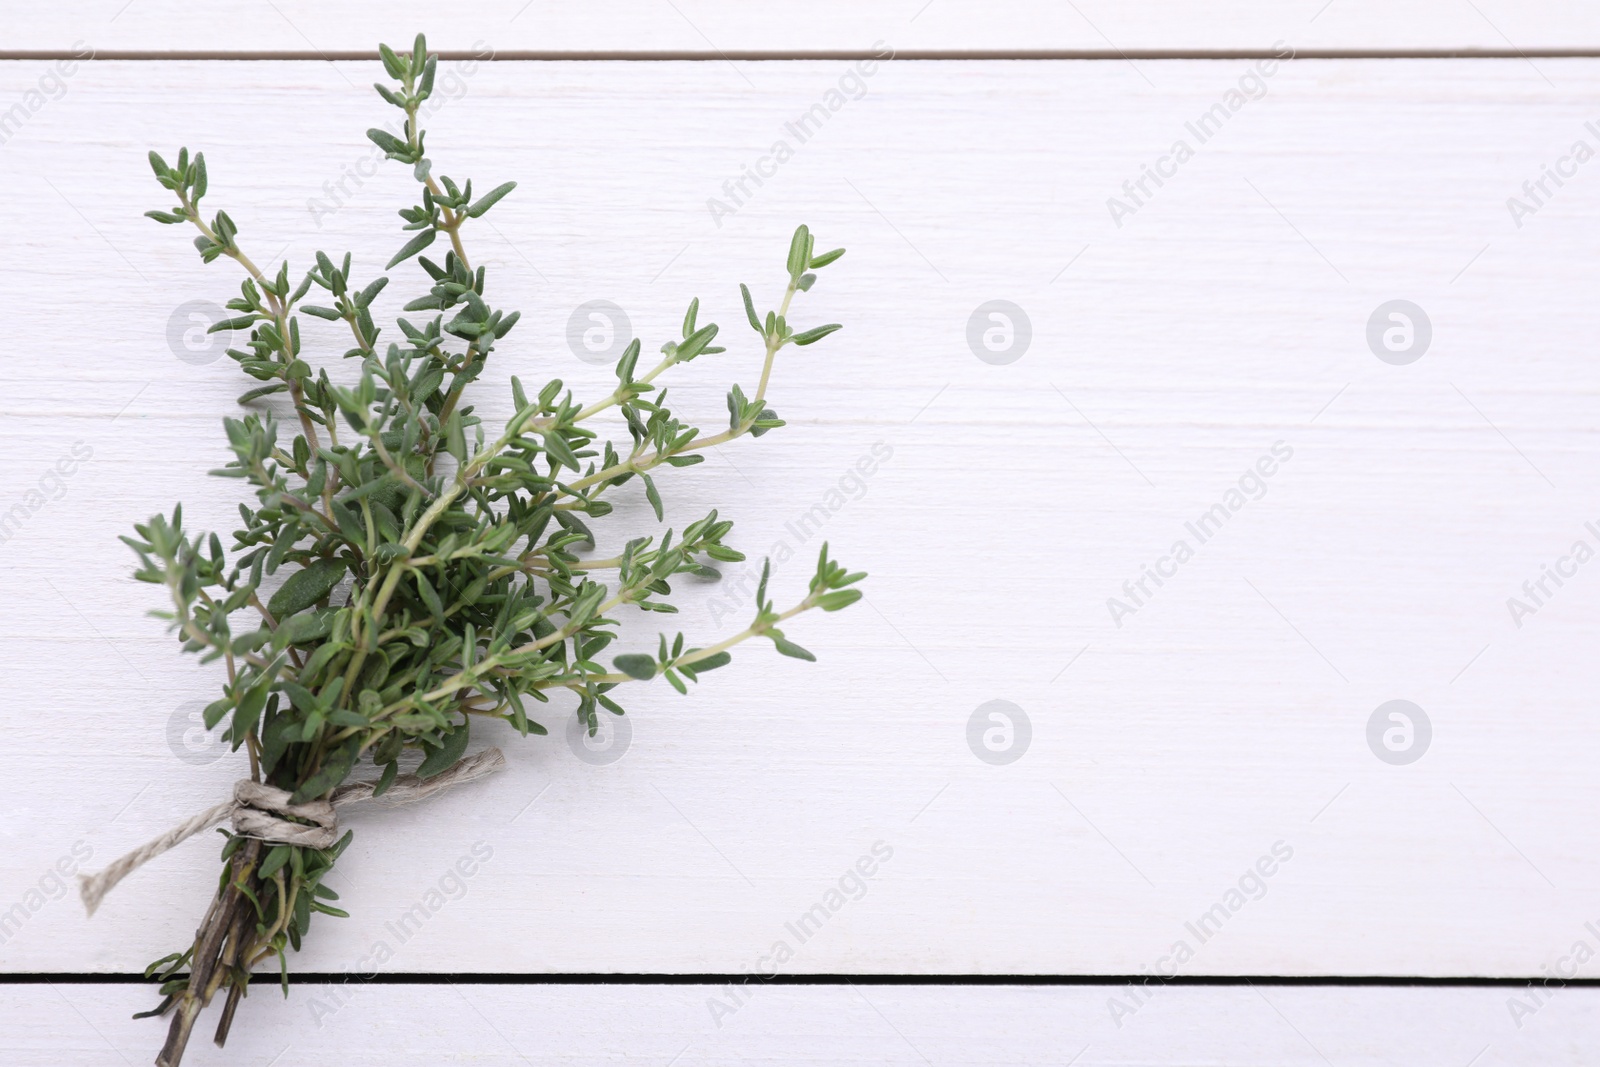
(424, 573)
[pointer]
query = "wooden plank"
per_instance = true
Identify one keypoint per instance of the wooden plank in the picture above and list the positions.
(983, 1025)
(1225, 718)
(718, 28)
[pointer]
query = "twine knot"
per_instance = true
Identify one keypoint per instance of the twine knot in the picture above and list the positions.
(264, 812)
(259, 810)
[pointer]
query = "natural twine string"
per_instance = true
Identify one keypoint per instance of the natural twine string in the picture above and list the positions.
(257, 811)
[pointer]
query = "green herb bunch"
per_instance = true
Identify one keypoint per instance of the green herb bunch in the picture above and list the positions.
(425, 571)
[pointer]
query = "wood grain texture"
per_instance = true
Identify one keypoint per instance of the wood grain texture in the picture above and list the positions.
(1168, 754)
(981, 1026)
(715, 28)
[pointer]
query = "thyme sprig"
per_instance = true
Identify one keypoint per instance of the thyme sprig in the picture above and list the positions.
(423, 571)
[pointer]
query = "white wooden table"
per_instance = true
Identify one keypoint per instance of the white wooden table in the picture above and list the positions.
(1192, 750)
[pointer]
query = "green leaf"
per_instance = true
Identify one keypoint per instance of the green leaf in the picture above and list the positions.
(814, 335)
(559, 450)
(370, 293)
(841, 599)
(249, 710)
(304, 588)
(391, 62)
(573, 524)
(652, 494)
(712, 662)
(629, 360)
(489, 199)
(386, 779)
(216, 710)
(636, 665)
(789, 648)
(818, 262)
(750, 308)
(277, 856)
(799, 251)
(388, 142)
(429, 596)
(767, 420)
(442, 758)
(265, 390)
(413, 246)
(695, 343)
(455, 437)
(304, 627)
(335, 766)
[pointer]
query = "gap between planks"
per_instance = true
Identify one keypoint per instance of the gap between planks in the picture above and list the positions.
(515, 55)
(521, 978)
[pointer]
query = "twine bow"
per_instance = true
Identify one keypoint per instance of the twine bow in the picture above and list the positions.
(264, 812)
